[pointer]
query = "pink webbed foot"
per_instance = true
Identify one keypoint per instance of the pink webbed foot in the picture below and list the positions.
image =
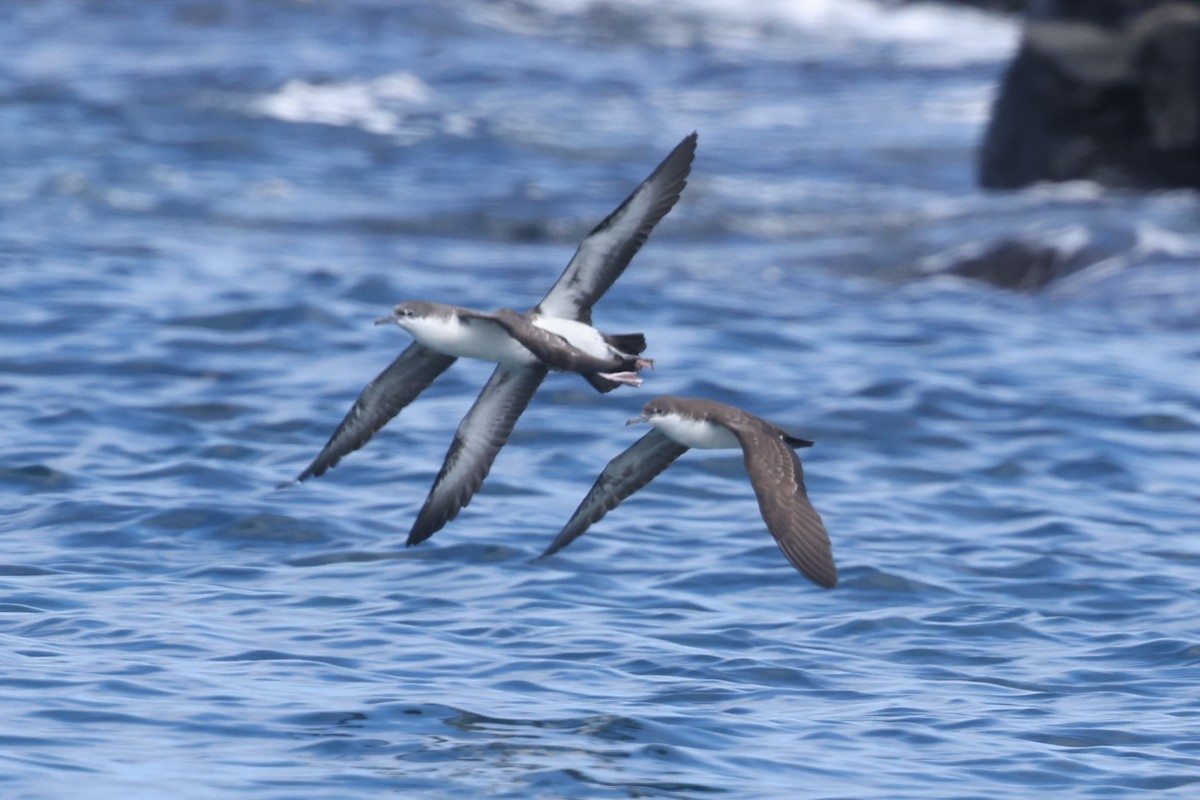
(626, 378)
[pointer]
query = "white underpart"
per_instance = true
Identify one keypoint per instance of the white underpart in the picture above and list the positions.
(579, 334)
(695, 433)
(479, 339)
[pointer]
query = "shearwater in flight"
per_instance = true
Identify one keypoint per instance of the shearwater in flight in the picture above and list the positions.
(556, 334)
(775, 473)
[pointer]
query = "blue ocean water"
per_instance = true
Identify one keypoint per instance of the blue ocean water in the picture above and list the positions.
(206, 203)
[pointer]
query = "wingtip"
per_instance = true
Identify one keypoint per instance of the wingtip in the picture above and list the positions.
(420, 531)
(688, 143)
(679, 160)
(820, 570)
(314, 470)
(301, 478)
(551, 549)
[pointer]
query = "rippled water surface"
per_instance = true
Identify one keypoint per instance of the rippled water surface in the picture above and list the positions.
(204, 206)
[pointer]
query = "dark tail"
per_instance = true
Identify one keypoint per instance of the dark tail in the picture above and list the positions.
(605, 385)
(631, 343)
(796, 441)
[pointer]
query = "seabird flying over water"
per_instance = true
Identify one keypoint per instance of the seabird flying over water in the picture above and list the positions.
(775, 473)
(556, 334)
(507, 336)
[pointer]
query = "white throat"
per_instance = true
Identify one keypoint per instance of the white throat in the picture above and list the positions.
(695, 432)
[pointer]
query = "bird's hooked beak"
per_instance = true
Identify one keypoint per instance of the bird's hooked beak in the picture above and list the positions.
(636, 420)
(390, 318)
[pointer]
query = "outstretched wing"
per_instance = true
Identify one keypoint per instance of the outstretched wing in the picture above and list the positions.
(478, 439)
(624, 475)
(778, 481)
(605, 252)
(383, 398)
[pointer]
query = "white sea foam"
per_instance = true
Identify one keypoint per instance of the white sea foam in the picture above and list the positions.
(380, 105)
(1153, 239)
(403, 105)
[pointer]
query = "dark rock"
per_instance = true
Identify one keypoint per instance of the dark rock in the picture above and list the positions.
(1084, 100)
(1023, 265)
(1112, 14)
(1166, 60)
(1030, 260)
(999, 6)
(1106, 13)
(1017, 265)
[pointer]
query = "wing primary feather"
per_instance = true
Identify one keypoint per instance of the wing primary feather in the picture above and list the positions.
(380, 400)
(644, 460)
(778, 480)
(484, 430)
(607, 250)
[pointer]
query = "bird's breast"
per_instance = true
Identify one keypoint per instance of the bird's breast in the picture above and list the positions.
(701, 434)
(474, 338)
